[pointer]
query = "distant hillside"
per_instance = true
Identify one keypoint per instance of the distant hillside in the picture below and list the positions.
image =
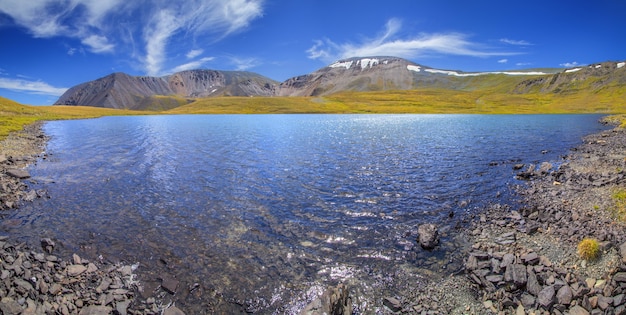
(120, 90)
(389, 73)
(363, 74)
(590, 78)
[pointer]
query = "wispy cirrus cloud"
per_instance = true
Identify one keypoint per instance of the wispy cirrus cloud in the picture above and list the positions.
(194, 53)
(569, 64)
(388, 44)
(192, 65)
(81, 19)
(33, 87)
(515, 42)
(148, 38)
(243, 64)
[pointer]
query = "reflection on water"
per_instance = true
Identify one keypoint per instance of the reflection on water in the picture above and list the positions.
(260, 212)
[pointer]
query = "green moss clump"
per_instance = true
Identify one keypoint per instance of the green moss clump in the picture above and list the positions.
(589, 249)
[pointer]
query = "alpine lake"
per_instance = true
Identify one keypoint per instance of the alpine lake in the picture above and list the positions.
(260, 213)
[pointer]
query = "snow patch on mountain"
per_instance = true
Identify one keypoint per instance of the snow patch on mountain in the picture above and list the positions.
(573, 70)
(345, 64)
(620, 64)
(367, 63)
(413, 68)
(473, 74)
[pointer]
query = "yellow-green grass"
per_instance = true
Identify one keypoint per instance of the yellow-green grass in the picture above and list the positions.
(619, 200)
(418, 101)
(14, 116)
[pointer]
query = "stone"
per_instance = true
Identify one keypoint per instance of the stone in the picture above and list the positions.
(23, 286)
(530, 258)
(532, 285)
(604, 302)
(622, 252)
(516, 273)
(620, 277)
(472, 263)
(18, 173)
(619, 299)
(169, 284)
(494, 278)
(591, 282)
(173, 310)
(335, 300)
(91, 268)
(564, 295)
(9, 306)
(47, 245)
(393, 304)
(76, 259)
(75, 270)
(527, 300)
(96, 310)
(104, 284)
(428, 236)
(546, 297)
(545, 167)
(55, 289)
(578, 310)
(507, 259)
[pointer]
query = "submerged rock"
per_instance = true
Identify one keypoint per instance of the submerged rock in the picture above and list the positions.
(335, 301)
(18, 173)
(428, 236)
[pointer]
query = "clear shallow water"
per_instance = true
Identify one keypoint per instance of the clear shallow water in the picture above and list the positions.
(262, 211)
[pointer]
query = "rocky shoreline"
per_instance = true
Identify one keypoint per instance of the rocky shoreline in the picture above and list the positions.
(520, 260)
(525, 262)
(35, 281)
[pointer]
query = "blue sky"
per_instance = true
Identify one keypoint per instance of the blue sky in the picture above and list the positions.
(51, 45)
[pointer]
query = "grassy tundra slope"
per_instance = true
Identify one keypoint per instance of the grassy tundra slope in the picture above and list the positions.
(13, 116)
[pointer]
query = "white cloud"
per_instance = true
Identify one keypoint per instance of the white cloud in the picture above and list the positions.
(192, 65)
(98, 44)
(34, 87)
(569, 64)
(387, 44)
(515, 42)
(194, 53)
(243, 64)
(103, 25)
(503, 60)
(157, 33)
(218, 17)
(523, 64)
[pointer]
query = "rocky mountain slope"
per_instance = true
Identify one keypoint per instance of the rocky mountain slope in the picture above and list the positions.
(594, 77)
(376, 74)
(120, 90)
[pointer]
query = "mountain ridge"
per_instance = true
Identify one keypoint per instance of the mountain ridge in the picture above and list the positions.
(120, 90)
(359, 74)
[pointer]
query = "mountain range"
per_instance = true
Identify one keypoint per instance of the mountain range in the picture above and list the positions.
(363, 74)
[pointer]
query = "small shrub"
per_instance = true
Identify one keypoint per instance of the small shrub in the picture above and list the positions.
(589, 249)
